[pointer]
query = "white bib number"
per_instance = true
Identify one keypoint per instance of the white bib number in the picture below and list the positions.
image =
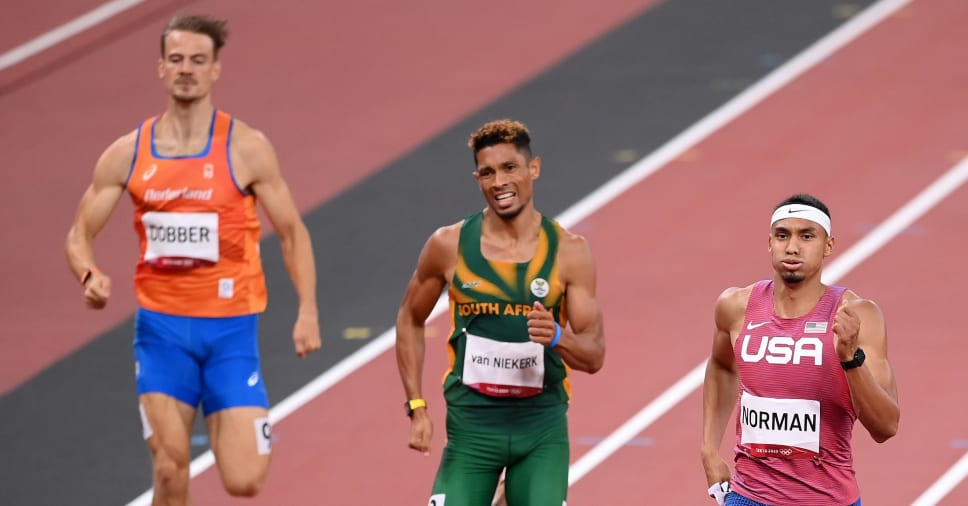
(783, 428)
(180, 240)
(503, 369)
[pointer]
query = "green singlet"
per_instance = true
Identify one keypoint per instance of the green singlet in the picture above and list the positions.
(507, 397)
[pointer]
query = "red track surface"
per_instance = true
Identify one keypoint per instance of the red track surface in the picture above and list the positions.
(859, 130)
(332, 126)
(19, 28)
(866, 130)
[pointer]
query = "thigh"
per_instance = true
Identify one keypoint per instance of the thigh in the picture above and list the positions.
(164, 360)
(469, 469)
(167, 424)
(231, 375)
(234, 398)
(539, 475)
(241, 440)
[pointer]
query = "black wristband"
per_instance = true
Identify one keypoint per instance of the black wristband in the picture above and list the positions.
(857, 361)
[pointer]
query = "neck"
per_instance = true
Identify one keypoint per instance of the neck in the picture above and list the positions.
(793, 300)
(187, 119)
(525, 225)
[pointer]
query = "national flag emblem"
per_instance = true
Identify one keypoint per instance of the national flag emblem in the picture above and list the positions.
(815, 328)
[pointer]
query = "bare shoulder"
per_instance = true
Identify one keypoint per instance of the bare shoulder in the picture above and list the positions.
(438, 259)
(574, 249)
(246, 136)
(125, 144)
(866, 308)
(249, 142)
(735, 296)
(115, 162)
(445, 239)
(253, 155)
(731, 306)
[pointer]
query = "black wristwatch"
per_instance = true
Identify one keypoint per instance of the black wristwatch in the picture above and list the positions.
(413, 404)
(857, 361)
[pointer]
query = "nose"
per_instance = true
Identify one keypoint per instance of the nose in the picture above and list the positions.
(500, 179)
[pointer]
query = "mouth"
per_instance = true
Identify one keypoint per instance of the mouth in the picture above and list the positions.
(792, 264)
(505, 199)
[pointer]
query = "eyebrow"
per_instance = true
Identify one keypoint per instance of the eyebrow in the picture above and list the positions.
(504, 163)
(193, 55)
(809, 228)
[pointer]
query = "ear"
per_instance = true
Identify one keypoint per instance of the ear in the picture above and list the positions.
(769, 241)
(534, 166)
(829, 247)
(216, 70)
(161, 68)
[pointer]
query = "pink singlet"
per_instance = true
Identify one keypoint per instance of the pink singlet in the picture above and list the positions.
(795, 414)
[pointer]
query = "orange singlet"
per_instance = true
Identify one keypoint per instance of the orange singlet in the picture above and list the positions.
(198, 230)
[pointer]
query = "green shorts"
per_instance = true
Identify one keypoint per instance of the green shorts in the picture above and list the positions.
(536, 462)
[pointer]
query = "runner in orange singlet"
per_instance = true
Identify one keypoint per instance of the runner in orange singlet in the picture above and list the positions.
(193, 174)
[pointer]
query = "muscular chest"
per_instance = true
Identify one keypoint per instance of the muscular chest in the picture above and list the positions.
(784, 362)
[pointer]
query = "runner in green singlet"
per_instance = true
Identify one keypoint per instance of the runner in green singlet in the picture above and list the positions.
(510, 271)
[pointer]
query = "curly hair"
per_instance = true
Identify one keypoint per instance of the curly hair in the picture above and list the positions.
(502, 131)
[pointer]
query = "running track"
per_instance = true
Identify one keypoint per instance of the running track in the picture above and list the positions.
(885, 112)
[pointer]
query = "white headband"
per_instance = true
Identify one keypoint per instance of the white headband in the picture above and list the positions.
(803, 212)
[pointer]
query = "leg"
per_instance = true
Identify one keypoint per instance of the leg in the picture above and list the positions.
(540, 475)
(235, 403)
(170, 422)
(168, 382)
(240, 440)
(469, 469)
(500, 498)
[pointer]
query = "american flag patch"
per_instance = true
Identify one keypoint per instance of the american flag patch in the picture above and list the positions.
(815, 328)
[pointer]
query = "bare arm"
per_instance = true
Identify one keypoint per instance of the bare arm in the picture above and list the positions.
(258, 168)
(436, 262)
(582, 342)
(860, 322)
(720, 385)
(96, 206)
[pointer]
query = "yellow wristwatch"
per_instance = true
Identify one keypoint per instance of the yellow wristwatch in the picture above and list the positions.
(413, 404)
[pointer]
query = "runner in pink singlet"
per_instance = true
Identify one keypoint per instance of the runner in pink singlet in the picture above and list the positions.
(800, 361)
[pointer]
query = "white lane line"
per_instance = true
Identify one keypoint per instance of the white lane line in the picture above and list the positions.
(67, 30)
(864, 249)
(597, 199)
(901, 219)
(945, 484)
(635, 425)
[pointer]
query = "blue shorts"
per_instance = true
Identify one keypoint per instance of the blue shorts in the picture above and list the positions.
(211, 361)
(734, 499)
